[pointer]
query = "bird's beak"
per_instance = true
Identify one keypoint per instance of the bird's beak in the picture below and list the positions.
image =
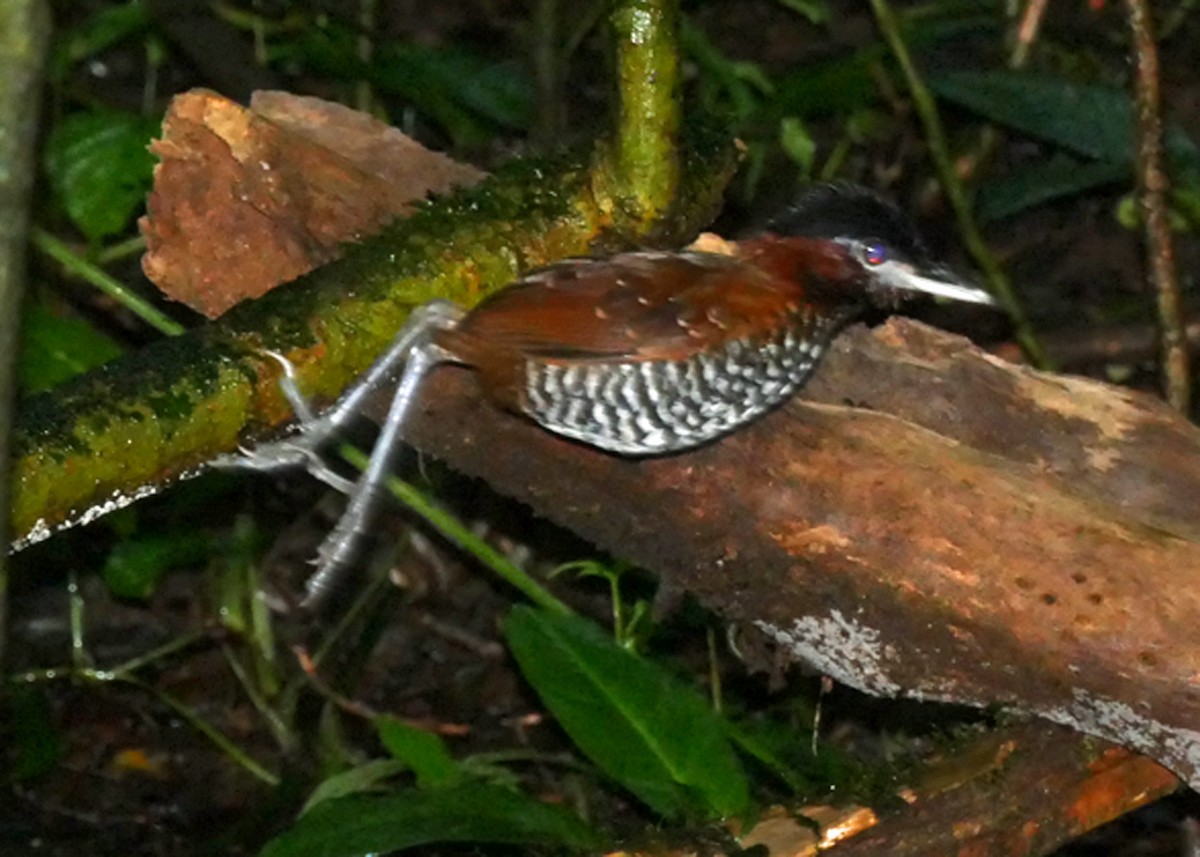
(938, 282)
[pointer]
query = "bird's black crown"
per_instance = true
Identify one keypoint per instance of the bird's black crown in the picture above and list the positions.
(849, 211)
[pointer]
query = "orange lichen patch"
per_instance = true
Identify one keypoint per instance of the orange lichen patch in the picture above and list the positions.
(818, 540)
(967, 829)
(245, 199)
(710, 242)
(963, 577)
(847, 822)
(1122, 782)
(135, 760)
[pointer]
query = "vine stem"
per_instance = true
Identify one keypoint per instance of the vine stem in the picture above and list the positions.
(1153, 186)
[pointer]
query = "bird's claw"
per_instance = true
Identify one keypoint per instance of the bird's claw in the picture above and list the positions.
(299, 449)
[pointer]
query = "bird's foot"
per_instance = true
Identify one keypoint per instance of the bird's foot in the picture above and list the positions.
(404, 364)
(302, 448)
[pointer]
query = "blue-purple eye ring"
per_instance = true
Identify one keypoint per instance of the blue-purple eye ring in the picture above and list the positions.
(875, 253)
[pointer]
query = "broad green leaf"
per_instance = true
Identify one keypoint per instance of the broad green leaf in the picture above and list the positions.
(652, 734)
(360, 778)
(1095, 121)
(361, 825)
(423, 751)
(100, 168)
(1186, 201)
(57, 347)
(470, 96)
(847, 82)
(1057, 177)
(134, 567)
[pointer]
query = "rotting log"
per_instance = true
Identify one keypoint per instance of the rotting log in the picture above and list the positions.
(925, 521)
(1023, 789)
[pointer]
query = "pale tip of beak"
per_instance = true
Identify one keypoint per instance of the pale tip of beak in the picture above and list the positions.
(946, 289)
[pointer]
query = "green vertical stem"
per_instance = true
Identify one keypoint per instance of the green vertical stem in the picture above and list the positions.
(24, 35)
(85, 270)
(548, 67)
(364, 97)
(643, 166)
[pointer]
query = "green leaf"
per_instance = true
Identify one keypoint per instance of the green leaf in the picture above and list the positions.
(423, 751)
(1185, 199)
(362, 825)
(784, 748)
(470, 96)
(817, 11)
(1094, 121)
(1057, 177)
(57, 347)
(649, 732)
(100, 168)
(97, 32)
(34, 736)
(798, 144)
(360, 778)
(847, 82)
(735, 88)
(134, 567)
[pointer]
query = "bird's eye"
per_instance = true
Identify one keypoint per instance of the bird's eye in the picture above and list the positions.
(874, 253)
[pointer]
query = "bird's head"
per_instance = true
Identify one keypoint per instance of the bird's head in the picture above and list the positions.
(879, 240)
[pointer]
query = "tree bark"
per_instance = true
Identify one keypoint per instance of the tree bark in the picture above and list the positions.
(927, 521)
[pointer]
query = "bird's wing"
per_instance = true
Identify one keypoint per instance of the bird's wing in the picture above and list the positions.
(633, 306)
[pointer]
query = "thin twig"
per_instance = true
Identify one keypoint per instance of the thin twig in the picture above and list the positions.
(1152, 190)
(124, 674)
(143, 309)
(453, 530)
(1028, 28)
(939, 150)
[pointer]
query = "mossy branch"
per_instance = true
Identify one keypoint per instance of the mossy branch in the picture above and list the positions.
(640, 171)
(122, 431)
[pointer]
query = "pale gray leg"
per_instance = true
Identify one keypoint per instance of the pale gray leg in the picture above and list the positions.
(414, 350)
(301, 448)
(435, 315)
(340, 546)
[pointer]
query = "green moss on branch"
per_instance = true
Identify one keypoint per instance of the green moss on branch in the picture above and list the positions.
(143, 421)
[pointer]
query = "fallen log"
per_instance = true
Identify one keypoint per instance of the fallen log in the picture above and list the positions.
(925, 521)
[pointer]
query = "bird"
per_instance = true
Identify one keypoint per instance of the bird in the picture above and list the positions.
(640, 353)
